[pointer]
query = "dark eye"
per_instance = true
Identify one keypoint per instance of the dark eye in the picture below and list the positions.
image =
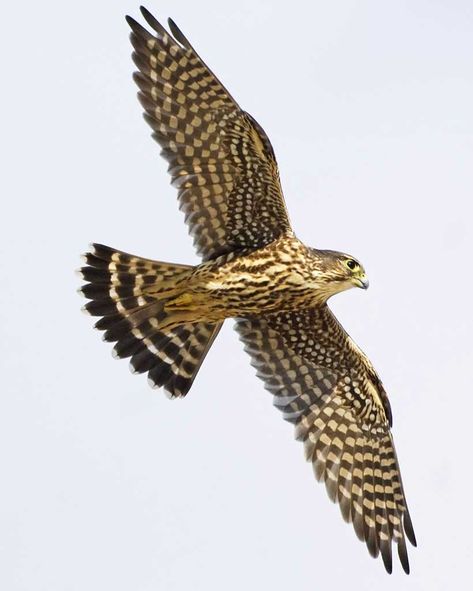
(351, 264)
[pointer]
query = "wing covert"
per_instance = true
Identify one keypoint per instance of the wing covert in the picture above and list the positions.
(220, 159)
(328, 389)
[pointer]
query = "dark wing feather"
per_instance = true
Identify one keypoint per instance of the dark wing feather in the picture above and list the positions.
(327, 387)
(220, 159)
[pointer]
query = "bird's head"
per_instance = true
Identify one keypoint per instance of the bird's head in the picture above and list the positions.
(340, 271)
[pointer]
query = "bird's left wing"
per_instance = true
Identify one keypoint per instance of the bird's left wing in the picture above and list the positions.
(220, 159)
(327, 387)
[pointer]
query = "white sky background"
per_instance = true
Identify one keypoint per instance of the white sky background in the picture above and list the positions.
(105, 483)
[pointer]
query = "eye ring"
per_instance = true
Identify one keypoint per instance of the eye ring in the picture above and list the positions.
(351, 264)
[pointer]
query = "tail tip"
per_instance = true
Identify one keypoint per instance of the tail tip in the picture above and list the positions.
(152, 384)
(170, 395)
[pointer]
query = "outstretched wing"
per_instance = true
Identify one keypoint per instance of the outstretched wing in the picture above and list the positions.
(220, 159)
(327, 387)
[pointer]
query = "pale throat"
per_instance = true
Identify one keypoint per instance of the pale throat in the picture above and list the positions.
(325, 287)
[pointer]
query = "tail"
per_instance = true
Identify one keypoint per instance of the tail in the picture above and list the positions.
(130, 294)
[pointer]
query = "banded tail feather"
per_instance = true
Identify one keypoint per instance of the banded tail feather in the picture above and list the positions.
(130, 293)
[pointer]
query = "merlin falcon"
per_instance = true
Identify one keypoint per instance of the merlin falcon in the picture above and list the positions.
(166, 316)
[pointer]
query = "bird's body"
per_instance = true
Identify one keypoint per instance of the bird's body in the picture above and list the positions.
(166, 316)
(282, 276)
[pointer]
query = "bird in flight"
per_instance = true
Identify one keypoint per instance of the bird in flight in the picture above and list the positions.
(165, 316)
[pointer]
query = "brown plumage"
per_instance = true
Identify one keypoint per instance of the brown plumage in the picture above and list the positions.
(166, 316)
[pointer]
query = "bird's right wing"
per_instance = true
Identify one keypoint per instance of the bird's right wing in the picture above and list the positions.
(220, 159)
(326, 386)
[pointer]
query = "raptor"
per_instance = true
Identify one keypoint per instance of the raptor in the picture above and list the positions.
(166, 316)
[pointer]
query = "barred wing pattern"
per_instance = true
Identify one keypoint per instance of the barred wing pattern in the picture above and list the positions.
(327, 387)
(220, 159)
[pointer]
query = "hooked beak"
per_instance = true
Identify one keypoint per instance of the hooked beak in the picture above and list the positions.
(362, 282)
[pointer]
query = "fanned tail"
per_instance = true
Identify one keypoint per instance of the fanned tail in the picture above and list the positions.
(130, 294)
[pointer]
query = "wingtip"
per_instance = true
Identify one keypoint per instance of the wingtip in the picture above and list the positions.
(133, 24)
(403, 556)
(386, 555)
(175, 30)
(406, 567)
(152, 22)
(409, 529)
(179, 35)
(144, 11)
(388, 565)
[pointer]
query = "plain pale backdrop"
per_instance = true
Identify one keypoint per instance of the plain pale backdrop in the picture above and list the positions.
(105, 483)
